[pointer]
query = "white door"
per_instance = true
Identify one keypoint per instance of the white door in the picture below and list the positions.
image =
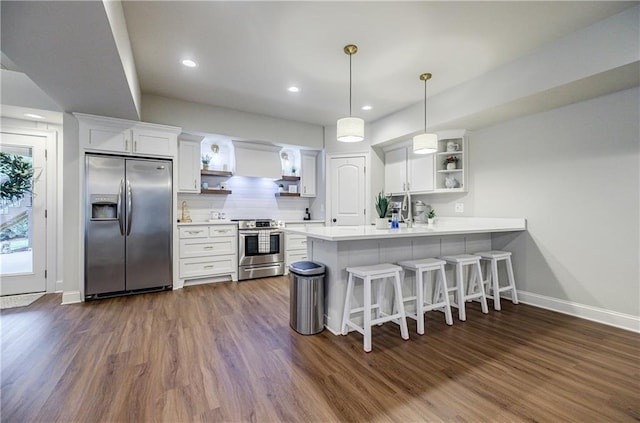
(22, 214)
(347, 191)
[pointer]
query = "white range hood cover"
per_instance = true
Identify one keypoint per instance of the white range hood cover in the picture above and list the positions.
(257, 160)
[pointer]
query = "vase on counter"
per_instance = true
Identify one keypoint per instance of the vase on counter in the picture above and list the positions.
(382, 223)
(451, 166)
(430, 221)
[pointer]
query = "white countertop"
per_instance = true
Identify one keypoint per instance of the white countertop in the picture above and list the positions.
(208, 222)
(289, 222)
(442, 226)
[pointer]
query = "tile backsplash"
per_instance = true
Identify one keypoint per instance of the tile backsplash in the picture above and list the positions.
(251, 198)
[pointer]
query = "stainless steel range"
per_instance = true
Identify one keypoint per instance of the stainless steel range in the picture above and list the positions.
(260, 248)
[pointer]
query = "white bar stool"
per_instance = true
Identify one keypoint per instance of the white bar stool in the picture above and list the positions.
(377, 272)
(493, 257)
(440, 298)
(475, 281)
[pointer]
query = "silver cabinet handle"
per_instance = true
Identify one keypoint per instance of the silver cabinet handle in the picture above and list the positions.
(194, 232)
(135, 146)
(194, 184)
(126, 144)
(208, 247)
(209, 266)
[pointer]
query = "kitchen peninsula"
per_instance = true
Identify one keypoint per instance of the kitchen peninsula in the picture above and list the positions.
(338, 247)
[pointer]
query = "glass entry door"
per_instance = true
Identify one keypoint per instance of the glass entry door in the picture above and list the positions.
(22, 213)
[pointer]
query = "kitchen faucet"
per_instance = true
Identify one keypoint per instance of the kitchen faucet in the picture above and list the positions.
(406, 206)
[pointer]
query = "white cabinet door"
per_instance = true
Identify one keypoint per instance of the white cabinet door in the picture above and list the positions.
(395, 171)
(152, 142)
(420, 169)
(188, 166)
(308, 175)
(105, 137)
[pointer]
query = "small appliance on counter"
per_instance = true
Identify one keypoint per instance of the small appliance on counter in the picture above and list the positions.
(420, 211)
(307, 215)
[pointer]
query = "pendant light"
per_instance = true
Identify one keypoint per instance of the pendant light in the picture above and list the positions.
(350, 129)
(425, 143)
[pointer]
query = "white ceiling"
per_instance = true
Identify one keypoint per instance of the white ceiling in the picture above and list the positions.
(250, 52)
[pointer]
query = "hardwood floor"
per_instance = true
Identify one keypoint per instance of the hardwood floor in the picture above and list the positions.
(225, 352)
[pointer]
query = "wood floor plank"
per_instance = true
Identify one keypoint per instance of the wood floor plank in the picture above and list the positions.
(225, 352)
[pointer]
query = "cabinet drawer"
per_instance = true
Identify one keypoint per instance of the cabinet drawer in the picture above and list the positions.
(201, 247)
(222, 230)
(296, 242)
(193, 231)
(207, 266)
(294, 256)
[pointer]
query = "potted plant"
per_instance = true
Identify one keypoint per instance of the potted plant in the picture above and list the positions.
(205, 161)
(281, 188)
(382, 203)
(451, 162)
(431, 217)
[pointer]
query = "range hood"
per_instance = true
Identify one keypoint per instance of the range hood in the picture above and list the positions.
(257, 160)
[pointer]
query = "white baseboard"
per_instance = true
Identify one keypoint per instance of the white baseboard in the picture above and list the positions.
(71, 297)
(600, 315)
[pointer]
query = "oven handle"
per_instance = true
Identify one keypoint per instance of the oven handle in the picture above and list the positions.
(255, 232)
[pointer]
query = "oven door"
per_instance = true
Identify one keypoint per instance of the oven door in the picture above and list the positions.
(248, 252)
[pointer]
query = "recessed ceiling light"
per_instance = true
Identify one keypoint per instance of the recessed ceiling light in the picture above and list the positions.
(189, 63)
(367, 107)
(293, 89)
(33, 116)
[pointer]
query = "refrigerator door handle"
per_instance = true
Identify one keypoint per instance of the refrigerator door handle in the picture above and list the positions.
(129, 203)
(119, 207)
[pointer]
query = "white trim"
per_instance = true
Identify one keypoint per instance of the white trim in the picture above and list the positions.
(52, 224)
(595, 314)
(71, 297)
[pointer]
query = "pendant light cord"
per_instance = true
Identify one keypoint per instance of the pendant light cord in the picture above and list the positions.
(350, 85)
(425, 106)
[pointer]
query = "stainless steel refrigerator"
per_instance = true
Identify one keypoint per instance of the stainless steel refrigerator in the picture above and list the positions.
(128, 225)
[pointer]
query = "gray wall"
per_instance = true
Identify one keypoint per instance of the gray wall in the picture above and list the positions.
(573, 173)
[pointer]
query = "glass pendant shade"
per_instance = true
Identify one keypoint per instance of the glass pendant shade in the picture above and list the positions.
(350, 129)
(425, 143)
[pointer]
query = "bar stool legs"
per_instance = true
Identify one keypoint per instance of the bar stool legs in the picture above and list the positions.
(492, 282)
(475, 282)
(371, 274)
(440, 298)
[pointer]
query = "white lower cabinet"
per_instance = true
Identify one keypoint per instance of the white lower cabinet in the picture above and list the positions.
(208, 251)
(295, 246)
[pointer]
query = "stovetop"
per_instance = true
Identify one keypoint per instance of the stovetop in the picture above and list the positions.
(258, 223)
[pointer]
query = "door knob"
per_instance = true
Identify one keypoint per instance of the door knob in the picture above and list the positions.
(333, 220)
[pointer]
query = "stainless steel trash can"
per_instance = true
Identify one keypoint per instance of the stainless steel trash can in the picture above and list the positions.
(306, 297)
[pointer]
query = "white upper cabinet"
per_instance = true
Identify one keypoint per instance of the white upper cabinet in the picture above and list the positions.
(404, 170)
(420, 172)
(308, 174)
(395, 171)
(121, 136)
(189, 163)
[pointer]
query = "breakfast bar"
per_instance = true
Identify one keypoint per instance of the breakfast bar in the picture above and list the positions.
(338, 247)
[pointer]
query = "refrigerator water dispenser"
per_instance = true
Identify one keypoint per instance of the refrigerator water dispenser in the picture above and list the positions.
(104, 207)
